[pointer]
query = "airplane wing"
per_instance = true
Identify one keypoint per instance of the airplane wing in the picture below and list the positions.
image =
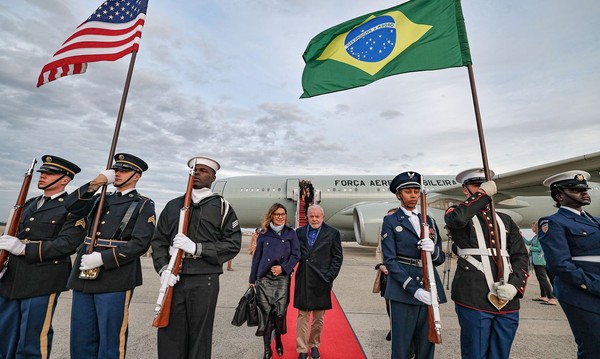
(528, 181)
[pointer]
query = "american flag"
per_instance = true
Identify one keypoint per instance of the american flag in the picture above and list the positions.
(111, 32)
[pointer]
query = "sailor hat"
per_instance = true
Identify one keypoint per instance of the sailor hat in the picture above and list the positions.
(568, 179)
(409, 179)
(472, 176)
(55, 164)
(128, 162)
(201, 160)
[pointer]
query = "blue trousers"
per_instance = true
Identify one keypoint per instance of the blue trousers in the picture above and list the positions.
(486, 335)
(26, 326)
(585, 326)
(99, 324)
(409, 326)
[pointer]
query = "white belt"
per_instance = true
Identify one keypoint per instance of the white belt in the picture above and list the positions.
(481, 252)
(587, 259)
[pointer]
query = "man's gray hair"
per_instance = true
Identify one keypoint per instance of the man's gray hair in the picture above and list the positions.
(315, 206)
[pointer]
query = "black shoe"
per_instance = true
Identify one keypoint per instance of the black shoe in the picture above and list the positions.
(314, 353)
(278, 344)
(268, 353)
(303, 356)
(388, 337)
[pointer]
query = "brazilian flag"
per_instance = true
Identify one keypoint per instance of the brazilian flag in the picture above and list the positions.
(418, 35)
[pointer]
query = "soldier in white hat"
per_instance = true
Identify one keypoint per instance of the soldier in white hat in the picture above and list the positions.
(486, 304)
(570, 239)
(213, 237)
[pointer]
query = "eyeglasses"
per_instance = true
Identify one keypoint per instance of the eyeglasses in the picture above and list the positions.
(279, 214)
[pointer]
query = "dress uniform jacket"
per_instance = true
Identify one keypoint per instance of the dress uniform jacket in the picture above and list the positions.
(122, 269)
(399, 242)
(565, 236)
(318, 267)
(42, 272)
(469, 287)
(212, 223)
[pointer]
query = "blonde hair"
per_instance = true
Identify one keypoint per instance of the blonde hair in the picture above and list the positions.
(269, 215)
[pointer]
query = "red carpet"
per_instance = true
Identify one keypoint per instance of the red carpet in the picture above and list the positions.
(338, 340)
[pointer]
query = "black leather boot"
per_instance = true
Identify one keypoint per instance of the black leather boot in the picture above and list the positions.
(278, 344)
(268, 353)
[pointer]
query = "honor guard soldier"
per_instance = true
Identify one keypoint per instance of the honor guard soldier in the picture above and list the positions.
(36, 275)
(99, 314)
(401, 245)
(570, 239)
(487, 326)
(213, 237)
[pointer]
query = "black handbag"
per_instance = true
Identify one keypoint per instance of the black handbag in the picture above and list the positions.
(252, 309)
(246, 310)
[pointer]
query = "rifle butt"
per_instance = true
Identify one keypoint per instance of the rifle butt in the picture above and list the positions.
(161, 319)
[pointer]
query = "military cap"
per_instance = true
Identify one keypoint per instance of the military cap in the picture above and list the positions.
(55, 164)
(472, 176)
(127, 162)
(409, 179)
(568, 179)
(201, 160)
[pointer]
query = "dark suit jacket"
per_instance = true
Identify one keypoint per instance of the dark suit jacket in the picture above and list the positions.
(319, 265)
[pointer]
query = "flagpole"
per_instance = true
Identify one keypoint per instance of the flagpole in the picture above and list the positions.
(486, 169)
(93, 273)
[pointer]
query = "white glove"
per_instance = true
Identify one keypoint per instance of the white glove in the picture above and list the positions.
(426, 244)
(169, 277)
(109, 174)
(505, 292)
(489, 187)
(423, 296)
(12, 244)
(90, 261)
(184, 243)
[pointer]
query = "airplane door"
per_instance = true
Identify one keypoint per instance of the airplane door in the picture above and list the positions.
(219, 187)
(291, 184)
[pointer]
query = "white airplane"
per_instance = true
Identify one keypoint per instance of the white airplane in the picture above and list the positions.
(356, 204)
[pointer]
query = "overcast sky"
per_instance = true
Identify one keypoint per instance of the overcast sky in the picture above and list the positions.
(223, 79)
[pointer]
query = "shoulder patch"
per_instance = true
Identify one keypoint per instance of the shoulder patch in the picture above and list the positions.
(235, 224)
(80, 223)
(152, 219)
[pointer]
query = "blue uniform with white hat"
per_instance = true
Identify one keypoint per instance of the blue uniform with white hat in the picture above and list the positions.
(402, 258)
(32, 283)
(570, 239)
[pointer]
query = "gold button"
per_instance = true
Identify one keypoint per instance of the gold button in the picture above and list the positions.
(53, 221)
(107, 212)
(31, 219)
(583, 286)
(27, 229)
(97, 233)
(103, 222)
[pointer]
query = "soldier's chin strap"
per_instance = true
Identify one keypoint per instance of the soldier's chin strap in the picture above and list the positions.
(129, 179)
(562, 190)
(51, 184)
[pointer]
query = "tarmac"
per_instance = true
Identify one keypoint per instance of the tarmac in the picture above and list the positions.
(543, 330)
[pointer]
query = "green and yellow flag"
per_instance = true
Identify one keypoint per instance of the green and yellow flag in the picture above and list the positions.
(418, 35)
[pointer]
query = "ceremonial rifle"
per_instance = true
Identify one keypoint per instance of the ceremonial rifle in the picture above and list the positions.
(14, 217)
(162, 311)
(434, 322)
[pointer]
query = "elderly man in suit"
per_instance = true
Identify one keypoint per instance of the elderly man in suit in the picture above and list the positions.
(320, 262)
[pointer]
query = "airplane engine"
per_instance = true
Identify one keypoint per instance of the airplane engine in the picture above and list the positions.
(368, 217)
